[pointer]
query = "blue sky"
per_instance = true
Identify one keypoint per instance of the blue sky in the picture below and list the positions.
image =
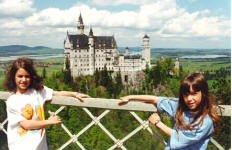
(168, 23)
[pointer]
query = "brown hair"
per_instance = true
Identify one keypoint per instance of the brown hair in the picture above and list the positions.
(197, 82)
(27, 64)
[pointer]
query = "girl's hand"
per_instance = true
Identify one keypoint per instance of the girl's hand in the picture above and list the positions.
(80, 96)
(124, 100)
(54, 119)
(154, 119)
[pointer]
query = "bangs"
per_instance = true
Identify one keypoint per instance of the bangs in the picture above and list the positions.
(188, 87)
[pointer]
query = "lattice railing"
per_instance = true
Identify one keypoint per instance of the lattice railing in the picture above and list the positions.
(109, 105)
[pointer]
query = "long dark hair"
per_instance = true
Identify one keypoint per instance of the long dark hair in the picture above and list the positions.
(27, 64)
(197, 82)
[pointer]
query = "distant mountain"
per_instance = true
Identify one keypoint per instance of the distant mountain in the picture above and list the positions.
(14, 50)
(21, 47)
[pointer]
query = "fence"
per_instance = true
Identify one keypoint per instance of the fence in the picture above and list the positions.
(109, 105)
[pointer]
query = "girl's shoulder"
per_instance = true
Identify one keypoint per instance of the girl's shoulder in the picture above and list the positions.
(13, 101)
(11, 98)
(208, 119)
(172, 99)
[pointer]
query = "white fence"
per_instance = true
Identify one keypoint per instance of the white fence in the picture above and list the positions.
(108, 105)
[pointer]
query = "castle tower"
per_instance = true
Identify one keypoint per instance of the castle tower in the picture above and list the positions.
(146, 50)
(177, 64)
(80, 25)
(66, 49)
(127, 51)
(91, 52)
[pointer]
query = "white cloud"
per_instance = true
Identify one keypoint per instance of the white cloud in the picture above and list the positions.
(16, 8)
(160, 19)
(121, 2)
(11, 23)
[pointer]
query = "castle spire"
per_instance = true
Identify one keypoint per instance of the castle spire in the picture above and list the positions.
(91, 32)
(80, 25)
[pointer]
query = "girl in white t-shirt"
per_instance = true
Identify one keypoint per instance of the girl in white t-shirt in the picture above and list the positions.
(26, 120)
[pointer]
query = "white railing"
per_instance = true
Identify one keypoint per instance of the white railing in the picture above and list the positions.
(108, 104)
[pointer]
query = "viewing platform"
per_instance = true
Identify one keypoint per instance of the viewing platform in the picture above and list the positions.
(108, 105)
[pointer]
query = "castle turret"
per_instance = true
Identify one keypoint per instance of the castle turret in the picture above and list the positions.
(91, 52)
(127, 51)
(146, 50)
(177, 63)
(80, 25)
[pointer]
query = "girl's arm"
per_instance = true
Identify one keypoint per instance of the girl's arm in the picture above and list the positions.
(38, 124)
(80, 96)
(155, 120)
(144, 98)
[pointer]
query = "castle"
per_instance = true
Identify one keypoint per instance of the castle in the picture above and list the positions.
(88, 53)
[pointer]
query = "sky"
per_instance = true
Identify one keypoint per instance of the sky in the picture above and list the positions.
(168, 23)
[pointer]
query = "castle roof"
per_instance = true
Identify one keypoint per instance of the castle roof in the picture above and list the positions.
(104, 42)
(80, 19)
(100, 42)
(132, 56)
(146, 36)
(79, 40)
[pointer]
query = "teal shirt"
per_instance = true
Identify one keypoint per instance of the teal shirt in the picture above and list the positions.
(196, 139)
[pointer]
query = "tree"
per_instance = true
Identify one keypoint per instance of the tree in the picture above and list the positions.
(118, 85)
(67, 72)
(44, 73)
(97, 77)
(222, 88)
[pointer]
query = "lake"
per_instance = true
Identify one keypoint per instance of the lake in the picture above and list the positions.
(44, 56)
(204, 56)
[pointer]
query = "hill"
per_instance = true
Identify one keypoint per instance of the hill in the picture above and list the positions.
(15, 50)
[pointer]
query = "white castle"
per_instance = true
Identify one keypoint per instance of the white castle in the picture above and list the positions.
(88, 53)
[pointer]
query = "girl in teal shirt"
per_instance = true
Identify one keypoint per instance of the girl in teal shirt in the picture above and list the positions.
(195, 119)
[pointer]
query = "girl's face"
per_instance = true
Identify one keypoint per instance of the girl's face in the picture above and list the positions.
(193, 99)
(22, 80)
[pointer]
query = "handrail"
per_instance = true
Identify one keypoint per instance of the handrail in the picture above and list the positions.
(223, 110)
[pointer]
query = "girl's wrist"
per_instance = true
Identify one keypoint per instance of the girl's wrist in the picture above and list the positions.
(76, 94)
(156, 122)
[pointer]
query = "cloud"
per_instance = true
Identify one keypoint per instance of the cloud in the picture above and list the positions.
(160, 19)
(11, 23)
(16, 8)
(120, 2)
(194, 25)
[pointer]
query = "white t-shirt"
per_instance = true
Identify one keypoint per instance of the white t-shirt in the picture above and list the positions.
(27, 106)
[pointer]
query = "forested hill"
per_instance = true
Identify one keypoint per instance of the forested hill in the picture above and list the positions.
(11, 50)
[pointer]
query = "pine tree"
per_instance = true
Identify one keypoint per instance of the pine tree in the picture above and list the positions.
(67, 72)
(118, 85)
(44, 73)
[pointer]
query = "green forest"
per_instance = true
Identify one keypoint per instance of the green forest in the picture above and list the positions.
(161, 80)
